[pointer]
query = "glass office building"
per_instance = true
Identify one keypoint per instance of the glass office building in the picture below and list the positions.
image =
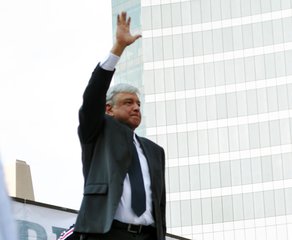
(216, 78)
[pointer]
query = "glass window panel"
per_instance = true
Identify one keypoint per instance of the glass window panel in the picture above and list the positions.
(252, 101)
(269, 203)
(285, 131)
(250, 69)
(286, 4)
(235, 8)
(243, 137)
(191, 112)
(248, 206)
(270, 66)
(237, 37)
(259, 210)
(148, 76)
(205, 9)
(264, 129)
(267, 169)
(176, 14)
(246, 171)
(179, 78)
(239, 70)
(173, 179)
(162, 141)
(245, 8)
(175, 216)
(231, 105)
(276, 5)
(288, 198)
(282, 97)
(169, 79)
(215, 175)
(275, 133)
(219, 73)
(278, 35)
(199, 76)
(229, 70)
(184, 180)
(217, 41)
(247, 36)
(211, 107)
(272, 99)
(280, 64)
(238, 207)
(255, 7)
(183, 144)
(195, 177)
(170, 112)
(233, 138)
(225, 174)
(177, 43)
(193, 144)
(146, 18)
(260, 72)
(196, 11)
(254, 135)
(256, 169)
(227, 208)
(227, 39)
(289, 89)
(277, 167)
(150, 114)
(181, 111)
(205, 176)
(217, 210)
(198, 43)
(287, 165)
(288, 58)
(196, 212)
(213, 141)
(221, 106)
(186, 219)
(156, 16)
(268, 33)
(287, 26)
(189, 77)
(159, 80)
(207, 42)
(215, 10)
(187, 45)
(157, 49)
(172, 146)
(279, 202)
(147, 55)
(266, 6)
(209, 75)
(160, 113)
(262, 100)
(223, 140)
(203, 142)
(257, 32)
(201, 109)
(225, 9)
(167, 47)
(166, 15)
(207, 210)
(186, 13)
(235, 172)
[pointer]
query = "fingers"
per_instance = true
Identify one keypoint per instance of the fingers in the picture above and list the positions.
(122, 19)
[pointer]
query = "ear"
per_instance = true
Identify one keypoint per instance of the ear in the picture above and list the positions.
(109, 109)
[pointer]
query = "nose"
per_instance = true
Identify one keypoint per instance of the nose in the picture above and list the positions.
(137, 107)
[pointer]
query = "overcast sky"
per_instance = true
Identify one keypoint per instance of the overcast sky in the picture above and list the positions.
(48, 49)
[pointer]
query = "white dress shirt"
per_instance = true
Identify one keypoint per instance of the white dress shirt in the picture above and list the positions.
(124, 211)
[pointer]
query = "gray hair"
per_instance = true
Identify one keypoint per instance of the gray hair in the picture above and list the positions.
(119, 88)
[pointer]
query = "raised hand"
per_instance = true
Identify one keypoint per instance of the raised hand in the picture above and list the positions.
(123, 36)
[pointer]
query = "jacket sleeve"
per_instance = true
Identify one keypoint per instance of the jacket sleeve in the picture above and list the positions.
(92, 111)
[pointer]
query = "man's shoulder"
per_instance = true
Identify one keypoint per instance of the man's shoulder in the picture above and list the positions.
(150, 142)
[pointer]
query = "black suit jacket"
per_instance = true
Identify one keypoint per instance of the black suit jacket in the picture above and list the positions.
(106, 157)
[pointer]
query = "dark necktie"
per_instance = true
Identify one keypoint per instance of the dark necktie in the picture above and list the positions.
(137, 184)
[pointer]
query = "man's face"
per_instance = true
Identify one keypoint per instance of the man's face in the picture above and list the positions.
(126, 109)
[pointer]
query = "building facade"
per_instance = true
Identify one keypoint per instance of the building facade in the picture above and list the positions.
(216, 78)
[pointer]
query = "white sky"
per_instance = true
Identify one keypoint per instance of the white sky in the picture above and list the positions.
(48, 49)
